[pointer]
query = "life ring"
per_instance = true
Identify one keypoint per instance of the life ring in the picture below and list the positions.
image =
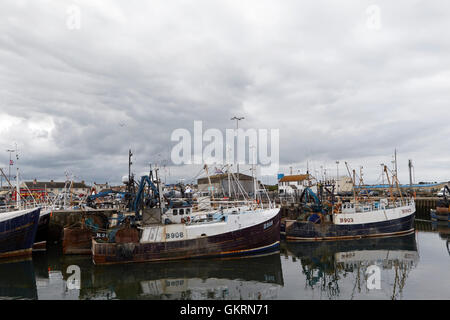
(188, 219)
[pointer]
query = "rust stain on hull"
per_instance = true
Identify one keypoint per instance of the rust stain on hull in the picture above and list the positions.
(77, 241)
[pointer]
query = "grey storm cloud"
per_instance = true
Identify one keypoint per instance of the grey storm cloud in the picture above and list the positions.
(337, 89)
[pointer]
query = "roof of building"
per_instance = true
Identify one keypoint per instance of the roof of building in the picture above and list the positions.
(53, 184)
(297, 177)
(223, 176)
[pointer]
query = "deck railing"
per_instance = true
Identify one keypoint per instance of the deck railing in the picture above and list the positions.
(375, 206)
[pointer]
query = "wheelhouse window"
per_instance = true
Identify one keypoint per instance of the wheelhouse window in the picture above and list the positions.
(175, 212)
(181, 212)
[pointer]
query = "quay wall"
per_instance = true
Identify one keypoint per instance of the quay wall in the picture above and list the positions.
(60, 219)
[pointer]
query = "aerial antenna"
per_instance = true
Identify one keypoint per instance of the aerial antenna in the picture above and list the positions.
(353, 179)
(237, 128)
(410, 166)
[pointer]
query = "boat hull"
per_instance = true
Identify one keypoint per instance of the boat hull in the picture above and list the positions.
(438, 216)
(253, 240)
(40, 241)
(308, 231)
(77, 240)
(18, 233)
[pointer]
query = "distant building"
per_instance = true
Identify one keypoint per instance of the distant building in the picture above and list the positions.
(219, 184)
(101, 186)
(55, 186)
(343, 185)
(429, 188)
(291, 184)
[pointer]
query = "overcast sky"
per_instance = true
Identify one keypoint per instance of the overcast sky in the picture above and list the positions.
(341, 80)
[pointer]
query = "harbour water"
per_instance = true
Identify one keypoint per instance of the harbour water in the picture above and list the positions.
(410, 267)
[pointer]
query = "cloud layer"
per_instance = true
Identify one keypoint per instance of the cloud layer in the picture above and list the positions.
(337, 88)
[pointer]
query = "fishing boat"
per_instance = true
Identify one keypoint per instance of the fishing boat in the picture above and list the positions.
(18, 231)
(230, 229)
(360, 218)
(254, 231)
(25, 199)
(18, 225)
(442, 211)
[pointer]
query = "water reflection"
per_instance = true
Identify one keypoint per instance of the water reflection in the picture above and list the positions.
(17, 279)
(330, 270)
(337, 268)
(440, 227)
(251, 278)
(443, 228)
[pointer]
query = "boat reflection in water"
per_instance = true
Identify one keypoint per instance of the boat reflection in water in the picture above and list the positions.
(217, 279)
(17, 280)
(443, 228)
(244, 278)
(341, 267)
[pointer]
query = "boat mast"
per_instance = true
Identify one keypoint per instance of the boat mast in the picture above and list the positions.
(389, 182)
(353, 180)
(229, 181)
(130, 182)
(237, 132)
(17, 189)
(398, 188)
(70, 190)
(162, 204)
(17, 182)
(253, 172)
(395, 162)
(6, 178)
(209, 182)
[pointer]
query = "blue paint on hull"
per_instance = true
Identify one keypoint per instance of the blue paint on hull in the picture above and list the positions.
(17, 234)
(324, 231)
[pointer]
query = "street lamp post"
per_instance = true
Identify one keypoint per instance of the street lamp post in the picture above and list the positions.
(237, 127)
(10, 163)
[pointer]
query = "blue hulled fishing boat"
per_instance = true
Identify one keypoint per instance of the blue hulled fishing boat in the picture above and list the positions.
(359, 218)
(18, 231)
